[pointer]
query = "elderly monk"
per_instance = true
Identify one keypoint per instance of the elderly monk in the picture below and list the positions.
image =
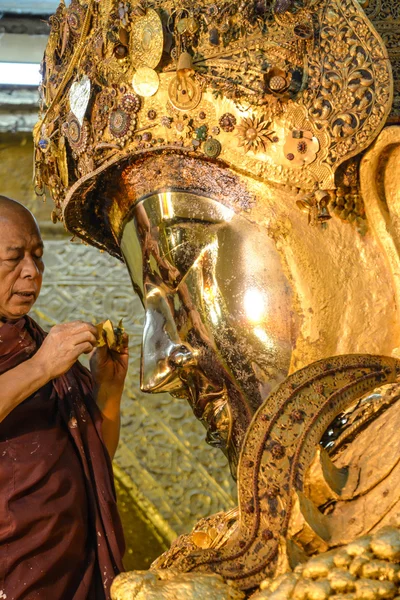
(60, 534)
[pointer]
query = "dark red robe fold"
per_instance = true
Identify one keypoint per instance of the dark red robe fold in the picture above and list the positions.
(60, 533)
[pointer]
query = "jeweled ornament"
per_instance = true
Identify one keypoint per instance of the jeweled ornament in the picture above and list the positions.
(121, 124)
(79, 97)
(147, 40)
(184, 93)
(145, 82)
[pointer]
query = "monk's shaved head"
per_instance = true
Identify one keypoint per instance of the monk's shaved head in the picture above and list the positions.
(21, 263)
(10, 209)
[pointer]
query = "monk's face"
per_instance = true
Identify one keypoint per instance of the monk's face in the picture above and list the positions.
(21, 263)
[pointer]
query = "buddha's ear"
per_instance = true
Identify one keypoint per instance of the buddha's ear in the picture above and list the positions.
(380, 187)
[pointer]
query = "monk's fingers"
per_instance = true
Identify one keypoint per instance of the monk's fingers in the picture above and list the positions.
(79, 337)
(80, 326)
(124, 344)
(84, 348)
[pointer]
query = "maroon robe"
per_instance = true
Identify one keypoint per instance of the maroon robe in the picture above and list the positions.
(60, 533)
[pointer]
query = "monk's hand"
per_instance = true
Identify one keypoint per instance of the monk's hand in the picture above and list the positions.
(63, 346)
(109, 367)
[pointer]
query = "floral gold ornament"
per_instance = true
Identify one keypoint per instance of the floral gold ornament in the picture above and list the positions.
(75, 19)
(254, 134)
(130, 102)
(277, 81)
(227, 122)
(103, 104)
(201, 132)
(182, 127)
(147, 40)
(77, 135)
(222, 62)
(121, 124)
(301, 148)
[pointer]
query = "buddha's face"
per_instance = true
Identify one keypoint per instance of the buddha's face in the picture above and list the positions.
(218, 324)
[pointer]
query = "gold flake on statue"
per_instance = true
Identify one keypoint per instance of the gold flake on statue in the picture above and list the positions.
(110, 336)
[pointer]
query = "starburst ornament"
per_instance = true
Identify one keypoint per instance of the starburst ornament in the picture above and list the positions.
(254, 134)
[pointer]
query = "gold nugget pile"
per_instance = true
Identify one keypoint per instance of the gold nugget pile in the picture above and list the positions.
(366, 569)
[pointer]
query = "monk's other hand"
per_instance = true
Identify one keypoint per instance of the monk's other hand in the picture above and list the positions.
(109, 367)
(63, 346)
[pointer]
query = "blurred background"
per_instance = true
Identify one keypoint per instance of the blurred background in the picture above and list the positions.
(167, 477)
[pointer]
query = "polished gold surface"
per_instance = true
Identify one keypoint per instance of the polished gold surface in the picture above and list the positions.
(145, 82)
(210, 302)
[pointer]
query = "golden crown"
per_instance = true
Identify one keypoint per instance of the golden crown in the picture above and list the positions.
(285, 91)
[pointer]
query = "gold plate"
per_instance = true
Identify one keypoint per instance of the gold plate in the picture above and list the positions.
(184, 93)
(145, 82)
(147, 40)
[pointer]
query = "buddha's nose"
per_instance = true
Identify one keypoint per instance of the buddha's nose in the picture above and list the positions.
(164, 355)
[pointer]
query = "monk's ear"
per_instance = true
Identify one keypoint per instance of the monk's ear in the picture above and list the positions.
(380, 187)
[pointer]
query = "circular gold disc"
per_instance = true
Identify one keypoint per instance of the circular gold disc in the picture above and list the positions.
(145, 82)
(184, 93)
(147, 40)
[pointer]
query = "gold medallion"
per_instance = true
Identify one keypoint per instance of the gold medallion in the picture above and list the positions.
(147, 40)
(145, 82)
(184, 93)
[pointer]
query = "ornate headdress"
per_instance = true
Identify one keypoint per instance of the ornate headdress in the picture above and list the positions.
(284, 91)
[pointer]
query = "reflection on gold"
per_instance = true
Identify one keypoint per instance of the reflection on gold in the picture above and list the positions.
(264, 337)
(166, 207)
(255, 305)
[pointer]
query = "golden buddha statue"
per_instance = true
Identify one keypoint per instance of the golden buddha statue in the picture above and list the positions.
(232, 154)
